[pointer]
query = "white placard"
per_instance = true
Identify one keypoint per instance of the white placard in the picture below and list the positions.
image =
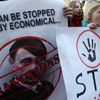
(80, 60)
(32, 19)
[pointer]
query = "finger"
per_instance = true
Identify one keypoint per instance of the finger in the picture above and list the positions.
(93, 26)
(94, 46)
(92, 43)
(88, 42)
(68, 14)
(64, 8)
(83, 54)
(85, 46)
(67, 10)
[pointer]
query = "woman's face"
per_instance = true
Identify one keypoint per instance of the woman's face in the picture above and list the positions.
(77, 9)
(95, 16)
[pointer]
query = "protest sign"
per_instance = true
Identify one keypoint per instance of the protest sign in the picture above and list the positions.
(29, 62)
(80, 60)
(28, 14)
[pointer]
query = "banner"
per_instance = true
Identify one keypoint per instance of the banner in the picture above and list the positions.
(80, 60)
(28, 14)
(29, 61)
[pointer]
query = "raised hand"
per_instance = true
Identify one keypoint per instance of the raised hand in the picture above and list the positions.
(90, 47)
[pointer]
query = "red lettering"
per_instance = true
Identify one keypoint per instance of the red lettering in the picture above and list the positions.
(15, 82)
(31, 75)
(7, 87)
(22, 79)
(50, 62)
(1, 91)
(37, 71)
(56, 59)
(43, 67)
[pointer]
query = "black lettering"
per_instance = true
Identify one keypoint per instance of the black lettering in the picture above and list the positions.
(79, 94)
(25, 15)
(18, 17)
(1, 19)
(16, 25)
(3, 27)
(48, 12)
(38, 13)
(15, 16)
(32, 23)
(51, 20)
(93, 75)
(45, 21)
(43, 12)
(29, 14)
(34, 14)
(11, 25)
(52, 12)
(4, 18)
(22, 24)
(27, 23)
(38, 21)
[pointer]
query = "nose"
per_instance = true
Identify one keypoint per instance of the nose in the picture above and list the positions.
(22, 71)
(80, 8)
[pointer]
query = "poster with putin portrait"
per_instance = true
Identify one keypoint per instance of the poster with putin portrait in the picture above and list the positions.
(29, 62)
(80, 61)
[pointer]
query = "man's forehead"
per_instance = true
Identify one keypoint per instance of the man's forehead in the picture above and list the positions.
(23, 53)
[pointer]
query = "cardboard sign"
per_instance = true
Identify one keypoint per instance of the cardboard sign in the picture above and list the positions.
(80, 61)
(29, 61)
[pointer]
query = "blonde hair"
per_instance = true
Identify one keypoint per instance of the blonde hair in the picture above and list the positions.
(73, 3)
(91, 12)
(89, 7)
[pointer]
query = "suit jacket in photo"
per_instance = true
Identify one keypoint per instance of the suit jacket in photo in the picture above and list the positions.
(22, 93)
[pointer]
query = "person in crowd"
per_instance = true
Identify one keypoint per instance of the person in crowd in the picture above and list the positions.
(74, 13)
(83, 2)
(25, 54)
(92, 14)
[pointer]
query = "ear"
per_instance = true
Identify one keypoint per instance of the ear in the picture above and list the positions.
(11, 61)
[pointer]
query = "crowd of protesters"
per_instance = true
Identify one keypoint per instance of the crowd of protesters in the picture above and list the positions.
(85, 14)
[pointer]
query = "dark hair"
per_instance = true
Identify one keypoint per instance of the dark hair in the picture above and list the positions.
(33, 45)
